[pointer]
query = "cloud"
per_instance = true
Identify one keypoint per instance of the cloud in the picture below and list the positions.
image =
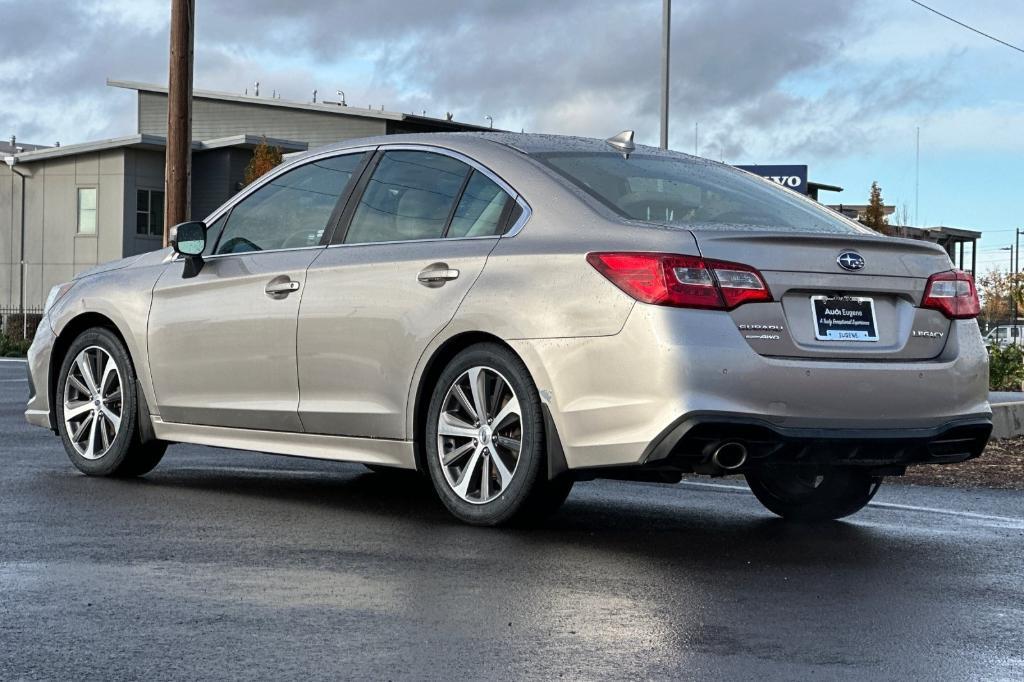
(765, 80)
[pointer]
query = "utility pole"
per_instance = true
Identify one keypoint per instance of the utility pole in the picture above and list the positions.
(666, 35)
(1014, 283)
(917, 181)
(178, 166)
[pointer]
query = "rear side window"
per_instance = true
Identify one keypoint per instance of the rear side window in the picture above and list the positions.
(691, 193)
(292, 210)
(409, 196)
(480, 210)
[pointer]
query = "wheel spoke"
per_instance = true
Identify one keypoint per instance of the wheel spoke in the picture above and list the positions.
(104, 436)
(478, 388)
(460, 395)
(77, 384)
(77, 435)
(113, 419)
(77, 409)
(457, 454)
(511, 408)
(114, 397)
(85, 368)
(504, 475)
(90, 450)
(467, 474)
(109, 370)
(451, 425)
(485, 476)
(492, 406)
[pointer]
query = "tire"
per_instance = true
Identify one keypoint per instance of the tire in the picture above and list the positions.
(517, 489)
(810, 493)
(103, 438)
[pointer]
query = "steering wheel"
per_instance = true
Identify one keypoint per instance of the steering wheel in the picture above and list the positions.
(238, 245)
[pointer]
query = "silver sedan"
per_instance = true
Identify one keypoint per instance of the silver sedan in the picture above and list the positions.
(508, 314)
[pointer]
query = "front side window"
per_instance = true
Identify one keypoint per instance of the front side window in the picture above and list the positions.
(291, 211)
(86, 210)
(480, 210)
(410, 196)
(692, 193)
(149, 213)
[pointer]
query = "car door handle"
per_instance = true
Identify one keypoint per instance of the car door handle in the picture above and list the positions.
(281, 288)
(436, 275)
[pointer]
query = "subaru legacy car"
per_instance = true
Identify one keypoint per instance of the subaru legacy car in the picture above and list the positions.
(508, 314)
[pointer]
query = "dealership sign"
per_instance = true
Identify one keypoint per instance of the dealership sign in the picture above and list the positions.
(793, 177)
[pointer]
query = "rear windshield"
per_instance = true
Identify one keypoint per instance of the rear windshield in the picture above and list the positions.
(692, 193)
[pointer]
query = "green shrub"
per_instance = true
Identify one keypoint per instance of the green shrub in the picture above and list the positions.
(11, 348)
(1006, 368)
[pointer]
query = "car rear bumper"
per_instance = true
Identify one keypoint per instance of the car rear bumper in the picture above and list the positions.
(690, 443)
(612, 399)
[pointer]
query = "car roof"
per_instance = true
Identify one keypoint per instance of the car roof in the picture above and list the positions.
(526, 143)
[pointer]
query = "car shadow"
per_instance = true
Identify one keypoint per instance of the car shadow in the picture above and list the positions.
(677, 524)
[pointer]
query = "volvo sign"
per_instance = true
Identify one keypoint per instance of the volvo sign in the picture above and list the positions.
(791, 177)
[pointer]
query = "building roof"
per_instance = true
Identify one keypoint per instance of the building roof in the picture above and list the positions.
(320, 107)
(7, 148)
(152, 142)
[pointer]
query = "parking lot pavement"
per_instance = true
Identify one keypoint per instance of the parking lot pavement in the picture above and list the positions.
(233, 565)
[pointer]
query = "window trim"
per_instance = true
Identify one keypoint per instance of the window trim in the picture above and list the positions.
(78, 211)
(228, 206)
(515, 229)
(148, 234)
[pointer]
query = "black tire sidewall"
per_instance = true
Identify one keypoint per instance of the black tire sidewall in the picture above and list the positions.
(111, 462)
(516, 499)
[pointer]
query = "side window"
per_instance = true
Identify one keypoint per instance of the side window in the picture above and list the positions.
(480, 209)
(409, 196)
(291, 211)
(213, 233)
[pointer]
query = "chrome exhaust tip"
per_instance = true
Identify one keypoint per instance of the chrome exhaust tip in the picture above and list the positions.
(730, 456)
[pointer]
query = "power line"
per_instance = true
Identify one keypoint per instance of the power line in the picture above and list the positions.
(969, 28)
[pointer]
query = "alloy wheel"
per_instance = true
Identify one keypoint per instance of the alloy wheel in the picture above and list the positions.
(93, 402)
(480, 435)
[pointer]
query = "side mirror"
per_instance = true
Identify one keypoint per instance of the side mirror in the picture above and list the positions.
(189, 240)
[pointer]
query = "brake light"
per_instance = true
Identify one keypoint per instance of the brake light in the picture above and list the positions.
(953, 294)
(682, 281)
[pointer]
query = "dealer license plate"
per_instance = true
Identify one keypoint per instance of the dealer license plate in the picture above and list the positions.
(844, 318)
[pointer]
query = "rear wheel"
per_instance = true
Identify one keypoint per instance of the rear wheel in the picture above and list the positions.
(485, 440)
(812, 493)
(97, 409)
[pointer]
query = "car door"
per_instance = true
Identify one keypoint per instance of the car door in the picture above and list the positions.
(408, 250)
(222, 343)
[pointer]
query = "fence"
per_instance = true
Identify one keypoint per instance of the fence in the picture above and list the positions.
(19, 325)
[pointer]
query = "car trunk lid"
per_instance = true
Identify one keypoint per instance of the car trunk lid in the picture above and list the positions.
(823, 310)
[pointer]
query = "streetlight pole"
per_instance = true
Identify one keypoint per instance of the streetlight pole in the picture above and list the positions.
(666, 35)
(1013, 280)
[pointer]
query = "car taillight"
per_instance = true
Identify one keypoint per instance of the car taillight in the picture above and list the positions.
(953, 294)
(682, 281)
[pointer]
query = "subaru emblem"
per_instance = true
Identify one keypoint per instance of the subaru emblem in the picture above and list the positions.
(850, 260)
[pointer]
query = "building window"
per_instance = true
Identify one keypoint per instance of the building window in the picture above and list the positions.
(149, 213)
(86, 210)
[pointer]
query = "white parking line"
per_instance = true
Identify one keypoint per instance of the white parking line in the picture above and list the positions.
(22, 360)
(13, 381)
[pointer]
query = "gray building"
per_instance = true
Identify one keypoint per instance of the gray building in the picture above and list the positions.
(67, 208)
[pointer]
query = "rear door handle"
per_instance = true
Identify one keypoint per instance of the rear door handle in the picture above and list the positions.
(437, 274)
(281, 288)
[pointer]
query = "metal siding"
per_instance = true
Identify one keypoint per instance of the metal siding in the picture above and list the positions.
(212, 119)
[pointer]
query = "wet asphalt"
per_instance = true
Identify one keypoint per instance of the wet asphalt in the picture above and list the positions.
(222, 564)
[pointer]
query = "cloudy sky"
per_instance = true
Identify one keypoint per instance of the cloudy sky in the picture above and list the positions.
(840, 85)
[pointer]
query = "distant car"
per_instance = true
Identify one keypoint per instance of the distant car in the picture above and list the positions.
(1005, 335)
(508, 314)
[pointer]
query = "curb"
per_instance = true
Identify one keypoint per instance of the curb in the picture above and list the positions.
(1007, 420)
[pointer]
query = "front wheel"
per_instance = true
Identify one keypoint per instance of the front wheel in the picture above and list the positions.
(97, 409)
(485, 441)
(800, 492)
